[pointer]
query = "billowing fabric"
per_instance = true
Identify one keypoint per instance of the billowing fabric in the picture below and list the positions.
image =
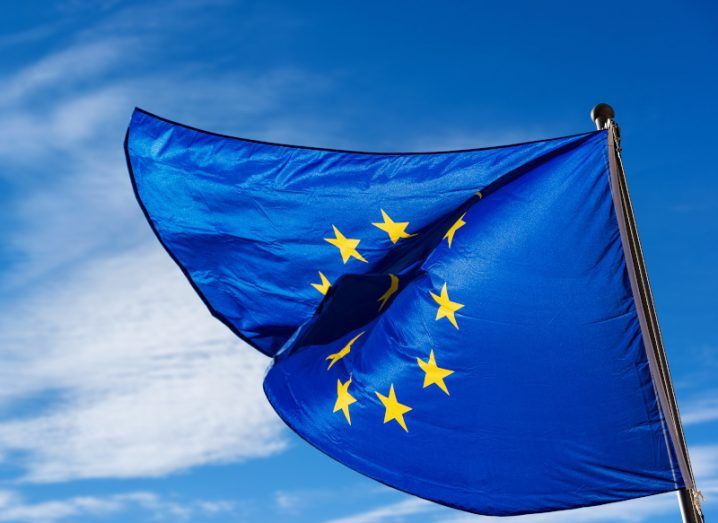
(457, 325)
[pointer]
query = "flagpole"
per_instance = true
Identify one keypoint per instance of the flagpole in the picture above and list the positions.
(688, 498)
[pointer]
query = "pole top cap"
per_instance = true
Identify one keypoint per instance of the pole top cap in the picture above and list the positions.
(601, 114)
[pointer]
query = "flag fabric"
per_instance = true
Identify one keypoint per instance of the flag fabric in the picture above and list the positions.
(457, 325)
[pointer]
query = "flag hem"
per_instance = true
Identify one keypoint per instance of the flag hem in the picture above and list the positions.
(349, 151)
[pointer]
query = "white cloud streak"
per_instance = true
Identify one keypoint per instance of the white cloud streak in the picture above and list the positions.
(392, 513)
(138, 379)
(704, 459)
(703, 409)
(65, 70)
(633, 511)
(14, 509)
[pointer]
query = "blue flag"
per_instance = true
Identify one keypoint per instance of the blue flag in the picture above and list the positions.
(457, 325)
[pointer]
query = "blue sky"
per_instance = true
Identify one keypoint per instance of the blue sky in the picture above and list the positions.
(122, 400)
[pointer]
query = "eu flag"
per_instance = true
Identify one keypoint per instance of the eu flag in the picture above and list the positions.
(458, 325)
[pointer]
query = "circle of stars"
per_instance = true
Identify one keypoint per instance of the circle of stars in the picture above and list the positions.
(435, 375)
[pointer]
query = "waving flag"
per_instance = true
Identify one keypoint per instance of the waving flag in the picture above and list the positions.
(458, 325)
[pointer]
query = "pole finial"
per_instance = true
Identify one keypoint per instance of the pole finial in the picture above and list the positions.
(602, 114)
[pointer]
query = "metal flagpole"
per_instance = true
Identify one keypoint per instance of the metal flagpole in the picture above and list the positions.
(688, 497)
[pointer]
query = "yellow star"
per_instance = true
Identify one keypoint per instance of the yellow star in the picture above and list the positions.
(395, 230)
(344, 399)
(434, 375)
(447, 308)
(394, 409)
(393, 287)
(347, 246)
(458, 224)
(322, 287)
(333, 358)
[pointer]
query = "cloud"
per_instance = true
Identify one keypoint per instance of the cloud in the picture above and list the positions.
(136, 378)
(704, 459)
(65, 70)
(305, 500)
(291, 502)
(392, 513)
(633, 511)
(14, 509)
(702, 409)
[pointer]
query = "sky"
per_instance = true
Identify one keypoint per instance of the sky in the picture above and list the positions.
(121, 399)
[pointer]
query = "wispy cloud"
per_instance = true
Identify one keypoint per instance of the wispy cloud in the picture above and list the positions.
(300, 500)
(392, 513)
(704, 459)
(15, 509)
(66, 70)
(137, 378)
(634, 511)
(702, 409)
(290, 502)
